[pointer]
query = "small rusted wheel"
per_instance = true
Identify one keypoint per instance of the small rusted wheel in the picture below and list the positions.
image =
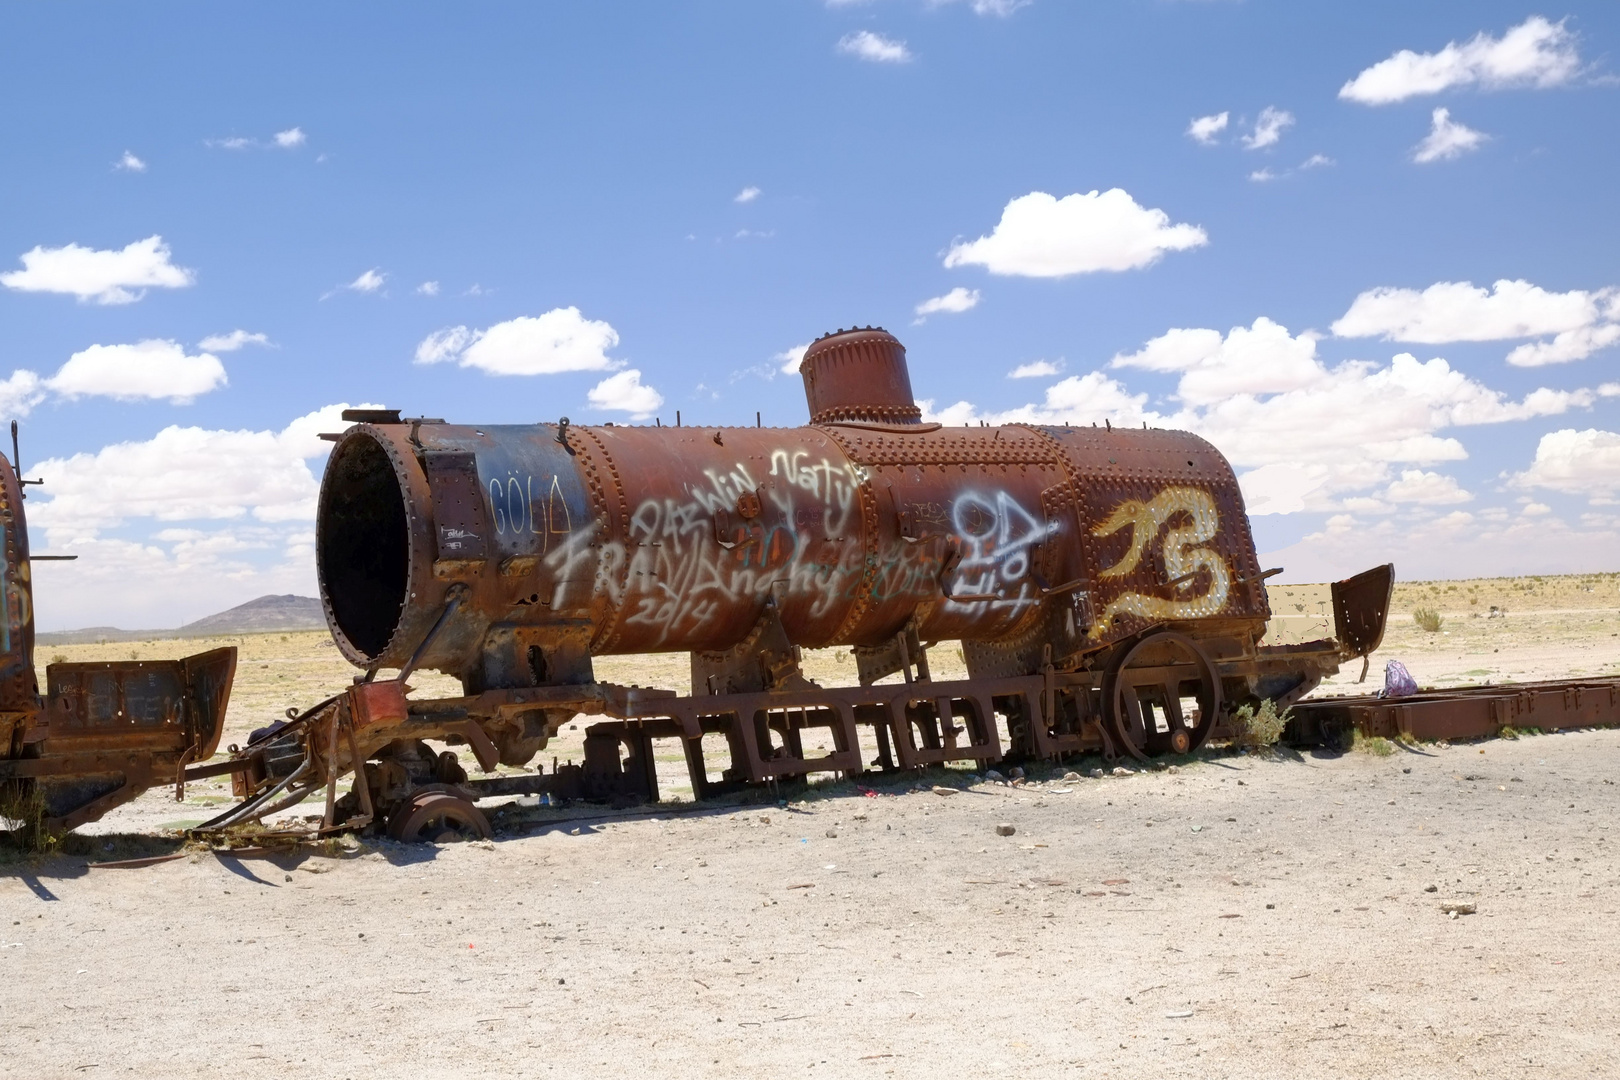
(437, 817)
(1145, 689)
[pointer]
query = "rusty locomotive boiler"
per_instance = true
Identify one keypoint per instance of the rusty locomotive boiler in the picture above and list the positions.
(1103, 584)
(103, 732)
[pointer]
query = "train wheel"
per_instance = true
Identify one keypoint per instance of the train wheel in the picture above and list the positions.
(438, 817)
(1145, 693)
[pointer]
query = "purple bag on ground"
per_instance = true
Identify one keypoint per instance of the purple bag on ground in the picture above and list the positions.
(1398, 682)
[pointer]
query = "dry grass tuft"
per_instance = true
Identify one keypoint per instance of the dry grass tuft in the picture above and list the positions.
(1258, 729)
(1377, 746)
(23, 808)
(1427, 618)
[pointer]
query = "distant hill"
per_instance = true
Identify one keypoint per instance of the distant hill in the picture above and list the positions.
(260, 616)
(265, 615)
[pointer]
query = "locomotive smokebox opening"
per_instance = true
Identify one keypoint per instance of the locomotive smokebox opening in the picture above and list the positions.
(362, 544)
(861, 376)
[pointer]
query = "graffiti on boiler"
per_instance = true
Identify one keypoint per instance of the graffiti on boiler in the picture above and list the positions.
(686, 561)
(1181, 547)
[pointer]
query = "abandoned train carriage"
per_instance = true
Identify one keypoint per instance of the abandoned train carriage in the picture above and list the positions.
(1103, 583)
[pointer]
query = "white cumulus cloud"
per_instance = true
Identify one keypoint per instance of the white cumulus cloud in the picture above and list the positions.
(290, 139)
(1001, 8)
(19, 393)
(428, 288)
(446, 344)
(1204, 129)
(153, 369)
(874, 47)
(369, 282)
(106, 277)
(1459, 311)
(788, 360)
(1453, 545)
(625, 392)
(186, 474)
(1570, 345)
(1426, 488)
(1536, 53)
(1263, 358)
(1447, 139)
(558, 341)
(1043, 236)
(1575, 463)
(1268, 129)
(209, 518)
(232, 341)
(954, 302)
(129, 163)
(1267, 174)
(1036, 369)
(1092, 398)
(746, 195)
(1303, 435)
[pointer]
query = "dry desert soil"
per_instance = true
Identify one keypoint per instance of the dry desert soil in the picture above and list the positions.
(1253, 916)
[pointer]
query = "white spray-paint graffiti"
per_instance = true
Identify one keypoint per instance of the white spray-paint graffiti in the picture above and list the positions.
(998, 535)
(1185, 559)
(521, 506)
(687, 561)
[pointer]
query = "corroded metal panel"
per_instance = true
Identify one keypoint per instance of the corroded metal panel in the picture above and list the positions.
(460, 519)
(1167, 536)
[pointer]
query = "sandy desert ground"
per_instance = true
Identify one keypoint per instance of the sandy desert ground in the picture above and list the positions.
(1241, 916)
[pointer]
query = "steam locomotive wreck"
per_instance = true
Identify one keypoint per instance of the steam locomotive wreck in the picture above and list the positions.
(1103, 584)
(102, 733)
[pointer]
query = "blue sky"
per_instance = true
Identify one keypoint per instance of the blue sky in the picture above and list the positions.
(309, 169)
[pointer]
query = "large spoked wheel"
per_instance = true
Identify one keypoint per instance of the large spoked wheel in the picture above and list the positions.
(1162, 695)
(431, 816)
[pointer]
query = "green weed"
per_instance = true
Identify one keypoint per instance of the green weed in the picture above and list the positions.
(23, 806)
(1258, 729)
(1427, 618)
(1377, 746)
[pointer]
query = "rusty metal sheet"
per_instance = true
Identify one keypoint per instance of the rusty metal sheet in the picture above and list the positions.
(1463, 713)
(376, 703)
(1361, 608)
(1165, 533)
(460, 520)
(112, 730)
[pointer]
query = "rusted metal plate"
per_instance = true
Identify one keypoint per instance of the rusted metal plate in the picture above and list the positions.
(111, 730)
(377, 703)
(460, 521)
(1463, 713)
(1361, 608)
(1166, 538)
(113, 697)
